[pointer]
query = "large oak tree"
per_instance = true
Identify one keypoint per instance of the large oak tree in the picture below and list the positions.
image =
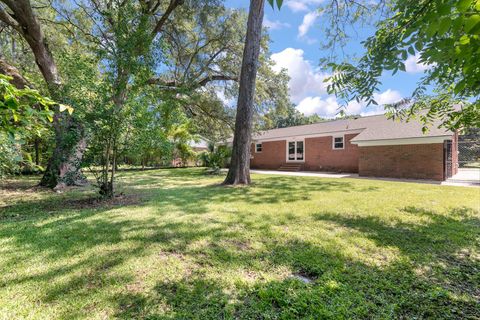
(64, 165)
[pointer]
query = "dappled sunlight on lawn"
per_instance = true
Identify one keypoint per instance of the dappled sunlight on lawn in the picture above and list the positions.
(186, 247)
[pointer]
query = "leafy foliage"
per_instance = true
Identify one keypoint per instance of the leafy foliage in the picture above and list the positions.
(10, 156)
(24, 115)
(444, 34)
(277, 2)
(142, 81)
(23, 110)
(290, 117)
(216, 157)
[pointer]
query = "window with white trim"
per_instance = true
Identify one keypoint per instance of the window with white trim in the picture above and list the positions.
(258, 147)
(338, 142)
(295, 151)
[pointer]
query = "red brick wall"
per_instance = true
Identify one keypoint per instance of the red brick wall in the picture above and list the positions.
(320, 156)
(414, 161)
(272, 156)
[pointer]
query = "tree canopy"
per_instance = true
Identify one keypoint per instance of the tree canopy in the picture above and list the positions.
(144, 78)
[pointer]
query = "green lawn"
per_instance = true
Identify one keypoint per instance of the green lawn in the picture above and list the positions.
(178, 245)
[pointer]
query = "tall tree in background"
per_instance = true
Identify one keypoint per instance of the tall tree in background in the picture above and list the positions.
(239, 171)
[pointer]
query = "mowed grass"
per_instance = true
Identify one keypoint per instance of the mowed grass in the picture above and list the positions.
(179, 246)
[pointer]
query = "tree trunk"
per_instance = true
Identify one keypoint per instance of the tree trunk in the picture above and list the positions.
(64, 165)
(37, 151)
(239, 171)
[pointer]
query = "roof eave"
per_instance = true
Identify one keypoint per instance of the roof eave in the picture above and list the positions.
(402, 141)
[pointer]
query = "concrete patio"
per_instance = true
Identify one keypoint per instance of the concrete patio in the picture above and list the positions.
(465, 177)
(469, 176)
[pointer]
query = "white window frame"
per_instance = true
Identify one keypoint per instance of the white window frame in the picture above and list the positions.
(343, 142)
(295, 141)
(256, 148)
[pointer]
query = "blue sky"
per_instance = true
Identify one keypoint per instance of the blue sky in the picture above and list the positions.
(296, 46)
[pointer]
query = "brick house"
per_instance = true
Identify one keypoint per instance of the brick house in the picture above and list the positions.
(370, 146)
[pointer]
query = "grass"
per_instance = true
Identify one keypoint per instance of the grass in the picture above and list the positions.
(179, 246)
(471, 165)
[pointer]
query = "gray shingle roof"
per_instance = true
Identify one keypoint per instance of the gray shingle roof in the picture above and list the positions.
(372, 128)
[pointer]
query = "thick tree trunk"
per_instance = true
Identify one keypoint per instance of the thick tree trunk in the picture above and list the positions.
(239, 171)
(64, 165)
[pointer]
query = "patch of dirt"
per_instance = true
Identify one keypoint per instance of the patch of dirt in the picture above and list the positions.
(13, 190)
(21, 187)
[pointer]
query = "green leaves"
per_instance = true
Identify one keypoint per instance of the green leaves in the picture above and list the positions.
(463, 5)
(22, 110)
(278, 2)
(472, 24)
(446, 35)
(464, 40)
(444, 25)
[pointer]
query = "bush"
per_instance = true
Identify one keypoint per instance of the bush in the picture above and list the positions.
(10, 156)
(216, 158)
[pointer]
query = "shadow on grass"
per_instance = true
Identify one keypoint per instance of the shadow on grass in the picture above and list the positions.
(268, 190)
(24, 209)
(441, 244)
(341, 287)
(188, 197)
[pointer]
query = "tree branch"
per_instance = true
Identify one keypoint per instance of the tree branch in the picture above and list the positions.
(6, 18)
(220, 77)
(30, 29)
(173, 84)
(173, 4)
(18, 80)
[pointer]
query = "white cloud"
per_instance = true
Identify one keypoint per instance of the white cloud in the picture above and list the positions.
(308, 90)
(329, 107)
(301, 5)
(275, 25)
(308, 21)
(324, 107)
(304, 79)
(383, 98)
(387, 97)
(354, 107)
(412, 65)
(296, 6)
